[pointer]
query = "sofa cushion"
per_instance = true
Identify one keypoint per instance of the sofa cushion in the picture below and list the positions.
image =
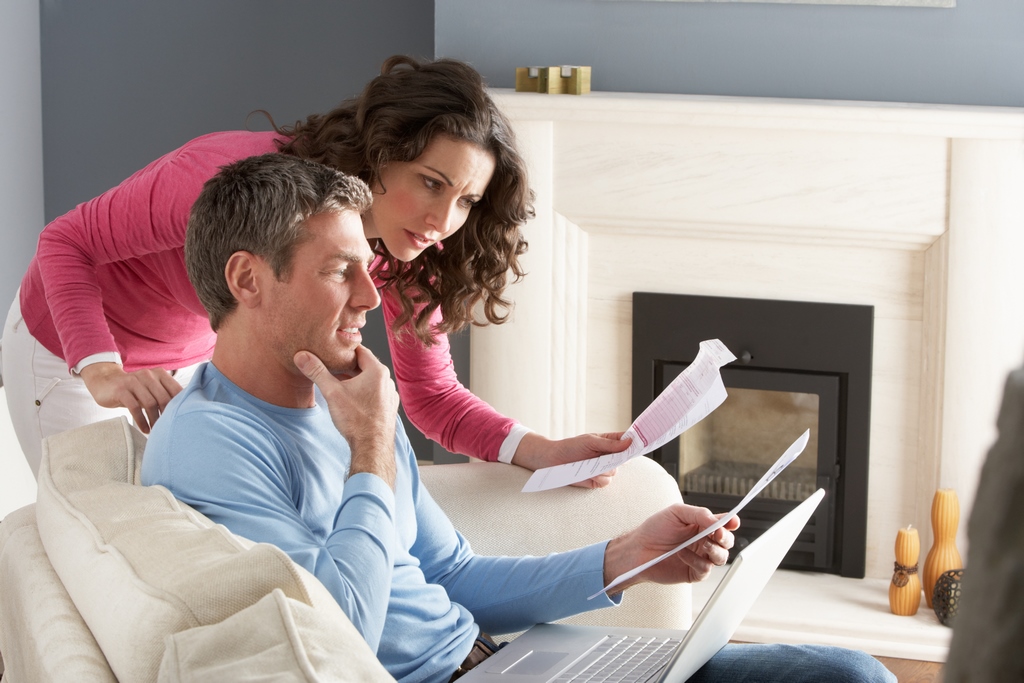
(137, 563)
(277, 639)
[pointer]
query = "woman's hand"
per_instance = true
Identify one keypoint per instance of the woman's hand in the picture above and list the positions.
(145, 393)
(536, 452)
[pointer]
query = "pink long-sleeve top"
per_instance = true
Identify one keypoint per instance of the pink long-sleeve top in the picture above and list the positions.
(110, 275)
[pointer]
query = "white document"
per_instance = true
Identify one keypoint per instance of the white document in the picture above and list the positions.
(686, 401)
(782, 463)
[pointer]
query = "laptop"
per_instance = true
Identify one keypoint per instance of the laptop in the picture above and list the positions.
(560, 653)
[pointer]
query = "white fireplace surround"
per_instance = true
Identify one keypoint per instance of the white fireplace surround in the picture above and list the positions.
(917, 210)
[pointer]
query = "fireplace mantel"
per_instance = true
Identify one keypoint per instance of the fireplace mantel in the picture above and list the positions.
(917, 210)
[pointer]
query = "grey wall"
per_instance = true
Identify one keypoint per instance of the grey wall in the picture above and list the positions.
(971, 54)
(125, 81)
(21, 164)
(21, 202)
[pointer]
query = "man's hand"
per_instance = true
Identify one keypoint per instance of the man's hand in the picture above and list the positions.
(363, 407)
(660, 533)
(145, 393)
(536, 452)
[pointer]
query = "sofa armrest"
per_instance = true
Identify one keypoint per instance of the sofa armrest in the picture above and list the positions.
(140, 565)
(485, 503)
(41, 632)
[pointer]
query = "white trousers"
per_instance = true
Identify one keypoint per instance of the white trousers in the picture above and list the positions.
(43, 397)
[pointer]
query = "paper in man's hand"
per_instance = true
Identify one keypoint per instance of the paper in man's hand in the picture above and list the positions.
(686, 401)
(782, 463)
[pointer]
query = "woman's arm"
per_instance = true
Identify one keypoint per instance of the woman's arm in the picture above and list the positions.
(450, 414)
(146, 213)
(434, 399)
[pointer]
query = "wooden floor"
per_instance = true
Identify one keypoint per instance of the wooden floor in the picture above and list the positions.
(906, 670)
(913, 671)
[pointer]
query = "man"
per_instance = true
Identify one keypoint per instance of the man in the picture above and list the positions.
(290, 436)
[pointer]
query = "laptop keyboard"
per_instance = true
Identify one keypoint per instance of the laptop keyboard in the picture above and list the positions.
(625, 659)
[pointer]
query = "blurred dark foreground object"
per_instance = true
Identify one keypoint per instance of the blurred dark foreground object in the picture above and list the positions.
(989, 627)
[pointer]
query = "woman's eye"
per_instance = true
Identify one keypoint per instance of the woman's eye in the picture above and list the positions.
(468, 203)
(431, 183)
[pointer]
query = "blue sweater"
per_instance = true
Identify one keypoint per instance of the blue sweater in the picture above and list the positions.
(406, 579)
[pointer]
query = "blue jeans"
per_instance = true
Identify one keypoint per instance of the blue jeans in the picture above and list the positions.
(752, 663)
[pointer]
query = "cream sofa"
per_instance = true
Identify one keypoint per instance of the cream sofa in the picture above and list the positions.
(102, 579)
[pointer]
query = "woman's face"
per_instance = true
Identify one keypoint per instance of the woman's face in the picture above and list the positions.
(420, 202)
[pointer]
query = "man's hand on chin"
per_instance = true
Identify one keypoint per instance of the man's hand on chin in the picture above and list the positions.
(364, 408)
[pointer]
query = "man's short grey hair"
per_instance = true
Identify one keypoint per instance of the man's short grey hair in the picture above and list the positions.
(260, 205)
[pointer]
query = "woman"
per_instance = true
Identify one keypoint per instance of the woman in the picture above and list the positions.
(107, 322)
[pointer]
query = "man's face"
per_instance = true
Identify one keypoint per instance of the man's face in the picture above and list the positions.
(320, 306)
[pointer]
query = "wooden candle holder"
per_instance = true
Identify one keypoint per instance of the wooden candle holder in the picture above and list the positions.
(905, 588)
(943, 555)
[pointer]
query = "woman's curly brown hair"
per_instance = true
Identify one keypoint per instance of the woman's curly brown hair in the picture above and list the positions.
(393, 120)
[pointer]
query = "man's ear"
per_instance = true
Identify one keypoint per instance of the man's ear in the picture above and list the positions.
(245, 276)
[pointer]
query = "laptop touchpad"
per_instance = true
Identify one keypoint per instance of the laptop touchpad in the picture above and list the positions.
(533, 664)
